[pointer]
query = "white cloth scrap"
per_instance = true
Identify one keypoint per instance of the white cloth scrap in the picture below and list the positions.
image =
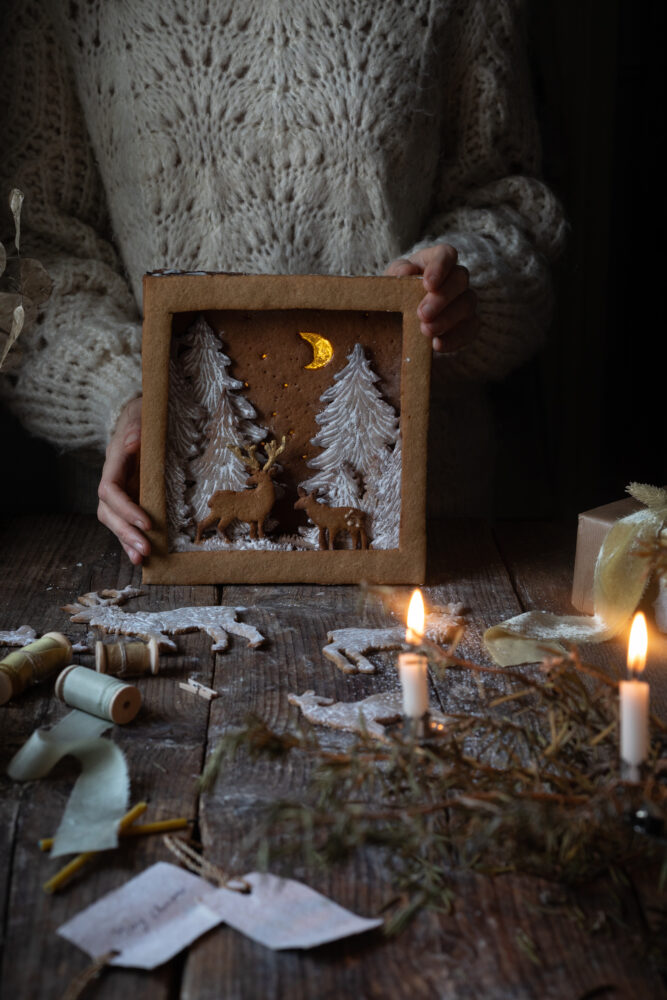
(165, 908)
(101, 793)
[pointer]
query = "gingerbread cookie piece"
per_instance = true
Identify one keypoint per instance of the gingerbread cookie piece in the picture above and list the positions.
(347, 646)
(104, 598)
(370, 715)
(443, 620)
(217, 622)
(17, 637)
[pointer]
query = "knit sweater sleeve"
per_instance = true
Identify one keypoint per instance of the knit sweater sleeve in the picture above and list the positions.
(81, 362)
(505, 223)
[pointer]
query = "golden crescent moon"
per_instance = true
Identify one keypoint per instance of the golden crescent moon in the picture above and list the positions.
(322, 349)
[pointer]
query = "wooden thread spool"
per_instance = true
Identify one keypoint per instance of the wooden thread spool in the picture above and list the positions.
(97, 694)
(127, 659)
(33, 663)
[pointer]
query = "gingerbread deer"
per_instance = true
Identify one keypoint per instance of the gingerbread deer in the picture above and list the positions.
(250, 506)
(333, 521)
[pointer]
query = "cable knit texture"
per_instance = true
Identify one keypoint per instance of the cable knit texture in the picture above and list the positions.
(270, 136)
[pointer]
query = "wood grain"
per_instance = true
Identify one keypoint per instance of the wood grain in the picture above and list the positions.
(505, 938)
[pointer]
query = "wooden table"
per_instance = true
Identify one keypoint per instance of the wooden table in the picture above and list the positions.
(507, 937)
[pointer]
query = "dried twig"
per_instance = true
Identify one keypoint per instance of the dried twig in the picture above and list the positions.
(526, 780)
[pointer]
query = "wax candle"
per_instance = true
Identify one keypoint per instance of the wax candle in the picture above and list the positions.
(634, 700)
(413, 666)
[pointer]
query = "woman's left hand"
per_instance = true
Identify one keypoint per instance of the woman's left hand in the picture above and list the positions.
(448, 311)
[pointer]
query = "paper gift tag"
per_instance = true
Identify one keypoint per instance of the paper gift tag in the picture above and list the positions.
(281, 913)
(148, 920)
(164, 909)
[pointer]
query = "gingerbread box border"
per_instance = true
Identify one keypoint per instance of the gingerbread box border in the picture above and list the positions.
(169, 293)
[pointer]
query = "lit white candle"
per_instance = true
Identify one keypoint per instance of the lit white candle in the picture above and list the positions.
(413, 667)
(634, 697)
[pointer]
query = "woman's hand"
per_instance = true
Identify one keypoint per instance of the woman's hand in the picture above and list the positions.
(447, 313)
(119, 483)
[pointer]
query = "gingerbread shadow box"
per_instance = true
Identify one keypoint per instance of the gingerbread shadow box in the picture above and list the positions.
(284, 429)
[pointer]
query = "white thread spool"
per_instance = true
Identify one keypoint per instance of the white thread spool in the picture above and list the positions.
(98, 694)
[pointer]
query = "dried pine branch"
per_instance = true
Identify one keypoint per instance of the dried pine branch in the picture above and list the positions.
(526, 780)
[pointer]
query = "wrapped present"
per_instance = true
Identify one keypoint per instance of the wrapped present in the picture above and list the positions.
(620, 547)
(660, 606)
(594, 526)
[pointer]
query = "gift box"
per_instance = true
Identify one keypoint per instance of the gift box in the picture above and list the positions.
(594, 525)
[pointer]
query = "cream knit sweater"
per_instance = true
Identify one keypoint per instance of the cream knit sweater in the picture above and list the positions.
(269, 136)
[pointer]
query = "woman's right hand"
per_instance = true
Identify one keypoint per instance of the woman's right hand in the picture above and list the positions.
(118, 489)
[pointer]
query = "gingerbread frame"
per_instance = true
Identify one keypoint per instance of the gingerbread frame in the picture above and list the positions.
(170, 293)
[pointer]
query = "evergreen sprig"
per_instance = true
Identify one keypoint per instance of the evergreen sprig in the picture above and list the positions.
(526, 780)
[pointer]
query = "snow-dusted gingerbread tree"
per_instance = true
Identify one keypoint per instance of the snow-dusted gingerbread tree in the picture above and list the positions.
(231, 419)
(358, 435)
(185, 428)
(382, 499)
(345, 492)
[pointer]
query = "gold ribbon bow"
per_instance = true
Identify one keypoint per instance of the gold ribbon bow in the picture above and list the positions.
(621, 575)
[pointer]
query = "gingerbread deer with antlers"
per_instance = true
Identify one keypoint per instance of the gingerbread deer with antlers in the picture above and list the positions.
(250, 506)
(333, 521)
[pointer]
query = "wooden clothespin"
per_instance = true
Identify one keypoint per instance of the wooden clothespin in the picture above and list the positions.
(196, 688)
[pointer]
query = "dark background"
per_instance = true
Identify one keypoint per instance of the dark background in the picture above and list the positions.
(597, 392)
(587, 416)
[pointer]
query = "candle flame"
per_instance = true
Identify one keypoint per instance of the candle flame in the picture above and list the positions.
(638, 644)
(415, 630)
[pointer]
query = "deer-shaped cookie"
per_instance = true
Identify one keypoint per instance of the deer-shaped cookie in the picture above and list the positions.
(333, 521)
(250, 506)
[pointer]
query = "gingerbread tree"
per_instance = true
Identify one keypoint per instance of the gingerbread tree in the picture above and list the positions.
(344, 492)
(382, 499)
(217, 467)
(185, 422)
(357, 426)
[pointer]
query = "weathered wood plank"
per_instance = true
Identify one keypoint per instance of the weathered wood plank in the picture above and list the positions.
(39, 963)
(522, 937)
(163, 747)
(295, 621)
(501, 941)
(468, 567)
(498, 942)
(297, 625)
(540, 558)
(35, 559)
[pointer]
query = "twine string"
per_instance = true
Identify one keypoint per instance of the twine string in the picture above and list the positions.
(84, 978)
(195, 863)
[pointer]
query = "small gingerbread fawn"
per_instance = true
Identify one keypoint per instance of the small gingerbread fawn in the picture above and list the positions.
(333, 521)
(250, 506)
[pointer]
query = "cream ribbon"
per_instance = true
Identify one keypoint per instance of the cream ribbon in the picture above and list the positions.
(619, 582)
(100, 796)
